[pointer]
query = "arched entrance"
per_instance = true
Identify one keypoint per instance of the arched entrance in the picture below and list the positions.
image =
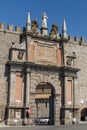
(44, 100)
(84, 114)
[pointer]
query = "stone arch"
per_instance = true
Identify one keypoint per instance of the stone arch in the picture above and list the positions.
(44, 100)
(38, 78)
(83, 114)
(54, 82)
(35, 80)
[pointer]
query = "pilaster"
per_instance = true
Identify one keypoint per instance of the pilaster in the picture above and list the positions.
(65, 90)
(12, 90)
(57, 110)
(28, 75)
(28, 42)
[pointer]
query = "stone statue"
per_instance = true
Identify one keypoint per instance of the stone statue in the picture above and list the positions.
(34, 26)
(44, 20)
(54, 31)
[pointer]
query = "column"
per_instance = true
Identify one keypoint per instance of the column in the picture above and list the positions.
(65, 90)
(66, 111)
(8, 102)
(27, 98)
(76, 93)
(75, 99)
(57, 109)
(11, 93)
(28, 75)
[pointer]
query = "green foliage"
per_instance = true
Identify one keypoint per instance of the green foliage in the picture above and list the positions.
(48, 36)
(4, 31)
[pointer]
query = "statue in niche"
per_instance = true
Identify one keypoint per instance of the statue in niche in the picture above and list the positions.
(34, 26)
(44, 20)
(20, 55)
(54, 31)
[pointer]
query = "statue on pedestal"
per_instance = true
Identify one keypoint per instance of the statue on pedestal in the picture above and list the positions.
(44, 20)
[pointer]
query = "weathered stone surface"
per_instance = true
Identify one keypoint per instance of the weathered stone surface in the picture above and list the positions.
(6, 40)
(35, 58)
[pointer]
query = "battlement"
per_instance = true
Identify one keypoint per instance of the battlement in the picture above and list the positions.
(17, 29)
(10, 28)
(80, 40)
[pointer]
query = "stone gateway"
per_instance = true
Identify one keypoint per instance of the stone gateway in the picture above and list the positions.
(42, 75)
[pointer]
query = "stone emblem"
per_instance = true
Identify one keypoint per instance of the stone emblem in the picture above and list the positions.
(20, 55)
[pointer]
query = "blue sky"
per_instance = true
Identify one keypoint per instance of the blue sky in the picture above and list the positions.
(74, 11)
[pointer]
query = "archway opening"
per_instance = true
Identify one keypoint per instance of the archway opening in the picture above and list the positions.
(84, 114)
(44, 100)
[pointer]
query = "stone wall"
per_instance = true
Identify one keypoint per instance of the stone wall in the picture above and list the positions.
(43, 52)
(81, 63)
(6, 39)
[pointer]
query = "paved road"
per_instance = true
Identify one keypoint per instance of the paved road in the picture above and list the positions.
(70, 127)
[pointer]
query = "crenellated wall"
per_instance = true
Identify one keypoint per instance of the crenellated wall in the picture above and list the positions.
(10, 28)
(80, 40)
(43, 50)
(16, 29)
